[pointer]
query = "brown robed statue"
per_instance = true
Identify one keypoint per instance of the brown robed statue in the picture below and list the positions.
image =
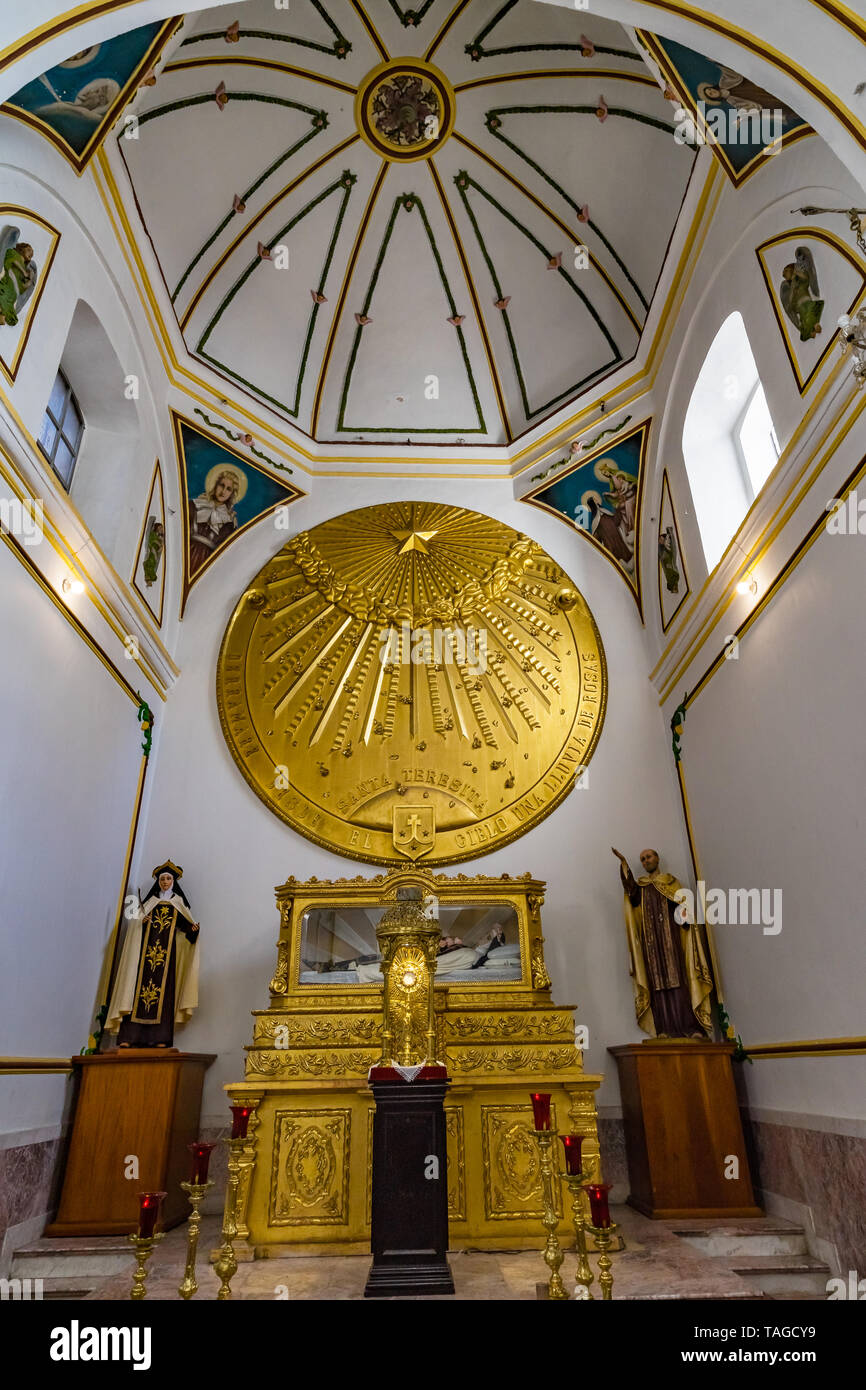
(669, 968)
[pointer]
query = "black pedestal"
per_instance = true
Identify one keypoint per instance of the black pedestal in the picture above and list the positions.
(409, 1237)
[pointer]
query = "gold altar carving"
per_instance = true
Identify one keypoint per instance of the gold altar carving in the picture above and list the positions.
(411, 681)
(305, 1179)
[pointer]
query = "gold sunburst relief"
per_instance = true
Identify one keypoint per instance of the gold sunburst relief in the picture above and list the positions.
(411, 680)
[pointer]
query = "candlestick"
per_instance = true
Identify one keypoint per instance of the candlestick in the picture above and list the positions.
(553, 1255)
(226, 1266)
(597, 1194)
(143, 1247)
(577, 1172)
(197, 1191)
(603, 1237)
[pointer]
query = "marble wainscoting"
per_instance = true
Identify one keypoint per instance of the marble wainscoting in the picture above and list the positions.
(29, 1187)
(611, 1142)
(814, 1176)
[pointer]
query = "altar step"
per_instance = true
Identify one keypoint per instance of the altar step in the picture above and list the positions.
(80, 1260)
(769, 1253)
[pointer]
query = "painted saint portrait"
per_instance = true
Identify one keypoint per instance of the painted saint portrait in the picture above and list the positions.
(223, 493)
(668, 559)
(601, 497)
(148, 576)
(75, 102)
(27, 248)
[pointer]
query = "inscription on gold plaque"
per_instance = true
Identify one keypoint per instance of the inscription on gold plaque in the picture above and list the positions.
(411, 680)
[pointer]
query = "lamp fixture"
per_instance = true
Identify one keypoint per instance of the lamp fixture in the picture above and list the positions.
(748, 584)
(852, 341)
(72, 586)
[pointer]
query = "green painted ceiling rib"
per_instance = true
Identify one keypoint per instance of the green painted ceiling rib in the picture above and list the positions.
(476, 49)
(464, 182)
(319, 121)
(493, 121)
(338, 49)
(345, 182)
(410, 18)
(409, 203)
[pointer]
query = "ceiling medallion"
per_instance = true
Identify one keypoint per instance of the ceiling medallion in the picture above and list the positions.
(412, 681)
(405, 109)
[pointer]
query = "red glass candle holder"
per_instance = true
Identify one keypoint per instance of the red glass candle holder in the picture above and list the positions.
(201, 1153)
(599, 1213)
(572, 1144)
(240, 1120)
(540, 1109)
(149, 1204)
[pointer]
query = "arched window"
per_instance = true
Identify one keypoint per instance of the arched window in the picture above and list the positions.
(729, 443)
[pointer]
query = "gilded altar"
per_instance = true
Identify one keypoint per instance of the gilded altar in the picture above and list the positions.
(305, 1172)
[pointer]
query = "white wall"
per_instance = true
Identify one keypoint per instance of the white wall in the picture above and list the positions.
(234, 851)
(68, 775)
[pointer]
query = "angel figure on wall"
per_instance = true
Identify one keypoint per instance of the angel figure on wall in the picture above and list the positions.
(18, 274)
(157, 978)
(799, 294)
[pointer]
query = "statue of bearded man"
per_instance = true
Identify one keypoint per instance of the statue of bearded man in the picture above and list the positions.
(668, 964)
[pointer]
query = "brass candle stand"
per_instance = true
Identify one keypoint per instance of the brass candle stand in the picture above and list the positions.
(584, 1274)
(226, 1265)
(553, 1256)
(143, 1249)
(603, 1235)
(196, 1191)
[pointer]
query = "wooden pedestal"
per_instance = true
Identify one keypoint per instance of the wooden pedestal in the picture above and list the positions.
(409, 1238)
(141, 1101)
(682, 1127)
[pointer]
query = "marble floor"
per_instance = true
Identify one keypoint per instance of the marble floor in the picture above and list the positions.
(656, 1264)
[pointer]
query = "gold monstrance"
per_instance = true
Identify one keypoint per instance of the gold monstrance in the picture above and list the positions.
(409, 941)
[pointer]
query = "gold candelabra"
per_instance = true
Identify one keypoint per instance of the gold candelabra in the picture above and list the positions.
(603, 1236)
(143, 1249)
(553, 1255)
(196, 1191)
(226, 1266)
(575, 1182)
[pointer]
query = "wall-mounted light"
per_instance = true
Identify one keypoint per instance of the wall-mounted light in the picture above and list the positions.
(852, 339)
(72, 586)
(747, 585)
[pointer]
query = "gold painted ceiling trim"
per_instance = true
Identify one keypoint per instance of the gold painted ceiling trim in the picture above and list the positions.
(461, 5)
(371, 29)
(344, 290)
(270, 63)
(254, 222)
(476, 307)
(567, 231)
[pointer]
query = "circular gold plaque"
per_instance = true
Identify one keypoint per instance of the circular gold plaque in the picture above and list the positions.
(411, 681)
(405, 109)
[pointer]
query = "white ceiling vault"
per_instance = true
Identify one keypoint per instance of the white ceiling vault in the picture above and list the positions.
(433, 294)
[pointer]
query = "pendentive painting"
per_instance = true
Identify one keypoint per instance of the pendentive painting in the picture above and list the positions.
(27, 247)
(673, 582)
(148, 577)
(222, 494)
(743, 123)
(600, 495)
(812, 277)
(76, 102)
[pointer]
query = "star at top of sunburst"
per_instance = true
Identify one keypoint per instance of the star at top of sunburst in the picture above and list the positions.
(414, 540)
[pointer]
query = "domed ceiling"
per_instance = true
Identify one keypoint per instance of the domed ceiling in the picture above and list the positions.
(429, 225)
